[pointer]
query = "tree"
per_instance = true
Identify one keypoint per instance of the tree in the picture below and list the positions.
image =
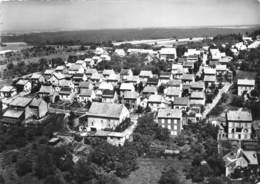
(215, 180)
(169, 177)
(85, 171)
(23, 166)
(53, 179)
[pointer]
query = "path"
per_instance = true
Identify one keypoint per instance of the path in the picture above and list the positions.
(210, 106)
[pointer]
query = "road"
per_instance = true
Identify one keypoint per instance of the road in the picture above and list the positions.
(210, 106)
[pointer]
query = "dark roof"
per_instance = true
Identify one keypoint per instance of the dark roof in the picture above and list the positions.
(152, 81)
(108, 93)
(65, 90)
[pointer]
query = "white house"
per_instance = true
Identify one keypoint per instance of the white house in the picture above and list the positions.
(8, 91)
(105, 115)
(166, 54)
(245, 85)
(23, 85)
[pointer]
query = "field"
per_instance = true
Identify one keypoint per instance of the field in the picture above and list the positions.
(122, 34)
(149, 171)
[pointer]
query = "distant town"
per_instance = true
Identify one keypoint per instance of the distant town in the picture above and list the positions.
(178, 111)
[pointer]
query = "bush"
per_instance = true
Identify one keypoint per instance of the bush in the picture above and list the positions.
(169, 177)
(23, 166)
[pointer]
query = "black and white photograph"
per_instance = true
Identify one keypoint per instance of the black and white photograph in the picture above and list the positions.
(129, 91)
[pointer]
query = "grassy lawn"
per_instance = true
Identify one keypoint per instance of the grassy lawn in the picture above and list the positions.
(150, 169)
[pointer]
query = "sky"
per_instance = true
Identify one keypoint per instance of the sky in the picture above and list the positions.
(56, 15)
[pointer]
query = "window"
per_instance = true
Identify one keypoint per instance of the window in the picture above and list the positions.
(169, 127)
(175, 127)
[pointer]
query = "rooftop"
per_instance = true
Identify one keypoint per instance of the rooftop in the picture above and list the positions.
(169, 113)
(239, 115)
(20, 101)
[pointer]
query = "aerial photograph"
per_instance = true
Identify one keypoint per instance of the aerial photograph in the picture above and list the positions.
(130, 91)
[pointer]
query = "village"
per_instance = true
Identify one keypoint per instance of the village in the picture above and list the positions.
(107, 103)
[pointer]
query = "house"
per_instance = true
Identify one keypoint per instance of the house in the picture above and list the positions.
(56, 79)
(187, 78)
(21, 104)
(109, 96)
(215, 54)
(245, 85)
(149, 90)
(12, 117)
(125, 73)
(96, 77)
(176, 83)
(75, 68)
(85, 85)
(182, 103)
(79, 77)
(131, 99)
(210, 80)
(172, 92)
(81, 63)
(197, 98)
(48, 74)
(170, 119)
(23, 85)
(165, 77)
(37, 79)
(152, 82)
(90, 71)
(221, 70)
(8, 91)
(120, 52)
(60, 69)
(124, 87)
(113, 79)
(133, 79)
(105, 57)
(177, 68)
(155, 102)
(105, 115)
(239, 124)
(48, 92)
(66, 94)
(188, 67)
(86, 95)
(198, 86)
(241, 159)
(145, 75)
(104, 85)
(209, 71)
(167, 54)
(38, 108)
(89, 62)
(107, 72)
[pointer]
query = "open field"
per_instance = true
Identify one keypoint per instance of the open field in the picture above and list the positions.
(149, 171)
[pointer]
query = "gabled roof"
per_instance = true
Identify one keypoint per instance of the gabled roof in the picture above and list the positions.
(172, 91)
(149, 89)
(153, 81)
(36, 102)
(91, 71)
(105, 85)
(174, 82)
(75, 67)
(109, 110)
(59, 76)
(108, 93)
(189, 77)
(20, 101)
(239, 115)
(48, 72)
(181, 101)
(125, 71)
(36, 76)
(126, 86)
(221, 67)
(108, 72)
(145, 73)
(209, 71)
(113, 77)
(197, 94)
(65, 90)
(11, 113)
(85, 92)
(210, 78)
(131, 95)
(22, 82)
(170, 113)
(246, 82)
(168, 51)
(155, 98)
(198, 85)
(61, 67)
(84, 84)
(46, 89)
(7, 89)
